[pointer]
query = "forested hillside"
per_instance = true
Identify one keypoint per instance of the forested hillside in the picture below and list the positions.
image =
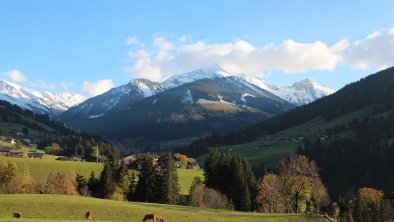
(375, 91)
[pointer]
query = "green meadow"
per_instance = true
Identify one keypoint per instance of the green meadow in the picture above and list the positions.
(40, 207)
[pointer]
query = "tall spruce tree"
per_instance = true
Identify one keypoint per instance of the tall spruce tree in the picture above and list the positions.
(107, 183)
(211, 169)
(122, 176)
(93, 185)
(168, 181)
(232, 175)
(146, 186)
(132, 187)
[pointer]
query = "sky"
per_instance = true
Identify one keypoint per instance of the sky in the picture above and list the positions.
(89, 46)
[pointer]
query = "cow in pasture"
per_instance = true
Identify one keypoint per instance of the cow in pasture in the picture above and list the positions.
(153, 217)
(88, 215)
(17, 215)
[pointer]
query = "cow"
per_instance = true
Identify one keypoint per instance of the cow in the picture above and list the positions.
(88, 215)
(17, 215)
(153, 217)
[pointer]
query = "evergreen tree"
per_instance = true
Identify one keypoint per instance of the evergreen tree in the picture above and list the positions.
(107, 183)
(232, 176)
(81, 185)
(146, 186)
(168, 180)
(132, 187)
(211, 169)
(122, 176)
(93, 185)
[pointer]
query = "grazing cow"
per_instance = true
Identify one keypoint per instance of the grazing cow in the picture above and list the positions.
(154, 218)
(88, 215)
(17, 215)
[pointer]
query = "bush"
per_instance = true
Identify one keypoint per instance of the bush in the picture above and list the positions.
(216, 200)
(59, 184)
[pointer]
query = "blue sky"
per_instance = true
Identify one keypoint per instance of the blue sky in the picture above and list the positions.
(88, 46)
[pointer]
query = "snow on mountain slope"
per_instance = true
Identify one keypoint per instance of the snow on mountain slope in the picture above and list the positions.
(300, 93)
(203, 73)
(135, 91)
(138, 89)
(116, 98)
(304, 92)
(41, 102)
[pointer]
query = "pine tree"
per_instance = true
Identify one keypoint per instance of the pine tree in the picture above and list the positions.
(132, 187)
(122, 176)
(93, 185)
(107, 183)
(211, 171)
(168, 180)
(81, 185)
(146, 186)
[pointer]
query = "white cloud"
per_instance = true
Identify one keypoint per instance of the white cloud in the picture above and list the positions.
(238, 57)
(98, 87)
(16, 76)
(376, 50)
(133, 41)
(184, 39)
(162, 44)
(43, 85)
(66, 86)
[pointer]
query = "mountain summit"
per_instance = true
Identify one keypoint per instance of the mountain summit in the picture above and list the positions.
(300, 93)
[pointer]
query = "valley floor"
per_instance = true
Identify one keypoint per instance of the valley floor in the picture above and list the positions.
(49, 208)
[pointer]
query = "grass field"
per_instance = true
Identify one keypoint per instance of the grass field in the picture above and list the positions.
(186, 177)
(65, 208)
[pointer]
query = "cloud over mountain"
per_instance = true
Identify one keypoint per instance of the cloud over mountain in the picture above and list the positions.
(98, 87)
(163, 58)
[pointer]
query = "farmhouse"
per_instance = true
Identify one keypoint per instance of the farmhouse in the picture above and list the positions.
(15, 153)
(193, 165)
(9, 151)
(136, 160)
(5, 149)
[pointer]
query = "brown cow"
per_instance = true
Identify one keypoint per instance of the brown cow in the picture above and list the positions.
(153, 218)
(88, 215)
(17, 215)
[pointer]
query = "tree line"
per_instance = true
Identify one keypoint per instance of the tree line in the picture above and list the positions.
(157, 183)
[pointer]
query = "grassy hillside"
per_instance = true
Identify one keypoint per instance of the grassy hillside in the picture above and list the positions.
(64, 208)
(271, 149)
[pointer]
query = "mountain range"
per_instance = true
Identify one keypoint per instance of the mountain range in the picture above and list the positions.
(39, 102)
(200, 102)
(300, 93)
(189, 110)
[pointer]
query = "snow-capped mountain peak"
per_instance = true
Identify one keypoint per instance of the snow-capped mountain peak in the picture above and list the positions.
(309, 83)
(208, 72)
(299, 93)
(303, 92)
(146, 87)
(41, 102)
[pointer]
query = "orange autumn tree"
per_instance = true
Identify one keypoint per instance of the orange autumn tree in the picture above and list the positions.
(297, 188)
